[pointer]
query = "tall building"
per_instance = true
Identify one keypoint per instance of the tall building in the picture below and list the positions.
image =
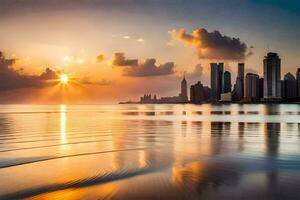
(239, 85)
(216, 75)
(238, 90)
(251, 87)
(226, 82)
(298, 82)
(289, 87)
(183, 93)
(199, 93)
(272, 71)
(261, 88)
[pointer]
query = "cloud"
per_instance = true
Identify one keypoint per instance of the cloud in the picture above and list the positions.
(213, 45)
(102, 82)
(100, 58)
(129, 38)
(147, 68)
(13, 79)
(126, 37)
(49, 74)
(118, 59)
(140, 40)
(199, 73)
(196, 73)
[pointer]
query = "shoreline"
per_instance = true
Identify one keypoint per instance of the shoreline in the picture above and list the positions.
(212, 103)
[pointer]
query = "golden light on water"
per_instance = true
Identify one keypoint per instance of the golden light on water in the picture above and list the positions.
(63, 121)
(64, 78)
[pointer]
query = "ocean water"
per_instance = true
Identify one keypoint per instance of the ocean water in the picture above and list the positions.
(150, 151)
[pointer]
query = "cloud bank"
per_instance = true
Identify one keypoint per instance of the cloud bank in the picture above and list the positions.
(13, 79)
(213, 45)
(143, 69)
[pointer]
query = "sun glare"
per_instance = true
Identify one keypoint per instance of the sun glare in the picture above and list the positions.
(64, 78)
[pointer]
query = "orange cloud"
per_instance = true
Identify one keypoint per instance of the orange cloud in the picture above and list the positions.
(13, 79)
(213, 45)
(100, 58)
(133, 68)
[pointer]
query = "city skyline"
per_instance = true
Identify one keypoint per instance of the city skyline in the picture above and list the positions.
(248, 88)
(115, 51)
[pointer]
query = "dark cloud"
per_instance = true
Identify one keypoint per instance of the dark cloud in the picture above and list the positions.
(119, 59)
(213, 45)
(49, 74)
(13, 79)
(147, 68)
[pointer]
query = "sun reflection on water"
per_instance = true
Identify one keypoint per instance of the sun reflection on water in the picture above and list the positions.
(63, 122)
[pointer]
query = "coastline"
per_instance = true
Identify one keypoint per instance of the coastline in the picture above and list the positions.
(215, 103)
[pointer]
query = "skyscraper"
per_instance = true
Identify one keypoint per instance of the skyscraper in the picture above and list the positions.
(298, 82)
(261, 88)
(216, 75)
(183, 93)
(226, 82)
(289, 87)
(252, 87)
(272, 70)
(239, 85)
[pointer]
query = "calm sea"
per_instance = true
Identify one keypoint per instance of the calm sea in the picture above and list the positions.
(150, 152)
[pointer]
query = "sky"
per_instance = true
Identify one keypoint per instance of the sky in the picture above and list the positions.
(116, 50)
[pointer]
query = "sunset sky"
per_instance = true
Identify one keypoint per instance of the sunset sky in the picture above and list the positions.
(115, 50)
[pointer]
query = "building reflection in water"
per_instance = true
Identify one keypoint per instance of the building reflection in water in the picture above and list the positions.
(197, 127)
(218, 129)
(299, 131)
(272, 133)
(241, 132)
(184, 128)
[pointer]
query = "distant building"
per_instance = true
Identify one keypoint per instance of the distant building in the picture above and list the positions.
(251, 87)
(183, 93)
(147, 98)
(226, 82)
(298, 82)
(199, 93)
(174, 99)
(289, 87)
(238, 91)
(181, 98)
(216, 75)
(272, 70)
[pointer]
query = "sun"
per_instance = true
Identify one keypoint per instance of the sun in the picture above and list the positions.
(64, 78)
